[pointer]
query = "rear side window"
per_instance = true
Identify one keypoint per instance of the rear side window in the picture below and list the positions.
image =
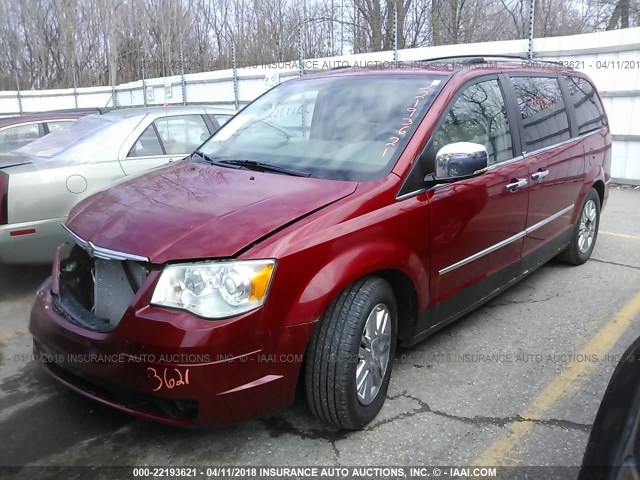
(19, 136)
(589, 111)
(182, 134)
(147, 145)
(542, 110)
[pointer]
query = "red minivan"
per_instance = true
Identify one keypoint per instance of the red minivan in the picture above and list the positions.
(336, 216)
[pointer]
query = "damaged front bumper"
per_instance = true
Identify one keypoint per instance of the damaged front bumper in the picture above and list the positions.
(166, 365)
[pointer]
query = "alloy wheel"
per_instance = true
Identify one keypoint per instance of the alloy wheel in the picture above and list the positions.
(373, 355)
(587, 229)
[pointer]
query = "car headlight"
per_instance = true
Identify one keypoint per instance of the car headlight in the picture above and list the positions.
(215, 289)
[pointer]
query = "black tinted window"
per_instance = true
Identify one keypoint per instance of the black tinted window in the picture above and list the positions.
(589, 111)
(479, 115)
(542, 110)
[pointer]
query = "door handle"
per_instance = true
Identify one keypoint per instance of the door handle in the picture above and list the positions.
(540, 174)
(519, 183)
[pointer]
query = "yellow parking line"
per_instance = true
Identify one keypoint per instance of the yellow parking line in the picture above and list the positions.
(9, 335)
(623, 235)
(567, 381)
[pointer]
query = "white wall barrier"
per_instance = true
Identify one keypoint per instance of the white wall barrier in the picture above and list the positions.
(611, 59)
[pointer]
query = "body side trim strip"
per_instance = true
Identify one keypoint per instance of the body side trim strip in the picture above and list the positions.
(547, 220)
(505, 242)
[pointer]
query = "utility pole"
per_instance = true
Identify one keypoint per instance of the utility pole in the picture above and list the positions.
(532, 14)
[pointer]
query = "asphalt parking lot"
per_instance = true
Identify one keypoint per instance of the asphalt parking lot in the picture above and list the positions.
(517, 382)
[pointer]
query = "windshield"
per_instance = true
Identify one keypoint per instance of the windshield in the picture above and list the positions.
(88, 138)
(342, 128)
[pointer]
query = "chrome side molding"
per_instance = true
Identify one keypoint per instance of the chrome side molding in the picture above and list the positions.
(505, 242)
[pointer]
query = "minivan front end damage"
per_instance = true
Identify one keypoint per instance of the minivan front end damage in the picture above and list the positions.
(95, 292)
(96, 330)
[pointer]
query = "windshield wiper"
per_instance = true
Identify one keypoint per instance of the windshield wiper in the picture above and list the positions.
(216, 160)
(204, 156)
(262, 167)
(249, 164)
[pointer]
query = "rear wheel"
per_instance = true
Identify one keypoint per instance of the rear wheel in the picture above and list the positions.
(585, 232)
(350, 356)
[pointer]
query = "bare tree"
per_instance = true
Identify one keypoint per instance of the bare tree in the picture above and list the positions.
(621, 14)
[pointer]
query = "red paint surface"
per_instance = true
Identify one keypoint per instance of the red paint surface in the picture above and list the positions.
(324, 234)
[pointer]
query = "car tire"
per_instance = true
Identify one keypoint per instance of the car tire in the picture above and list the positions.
(585, 231)
(354, 341)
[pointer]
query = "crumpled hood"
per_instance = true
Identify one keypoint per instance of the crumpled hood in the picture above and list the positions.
(190, 210)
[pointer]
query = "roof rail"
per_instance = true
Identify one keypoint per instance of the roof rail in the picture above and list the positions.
(471, 59)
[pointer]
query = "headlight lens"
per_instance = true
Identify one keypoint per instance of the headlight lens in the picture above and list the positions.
(215, 289)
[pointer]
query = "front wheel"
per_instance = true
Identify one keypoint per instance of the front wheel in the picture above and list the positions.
(585, 232)
(350, 356)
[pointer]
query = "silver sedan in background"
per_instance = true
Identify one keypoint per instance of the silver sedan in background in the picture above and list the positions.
(40, 183)
(18, 131)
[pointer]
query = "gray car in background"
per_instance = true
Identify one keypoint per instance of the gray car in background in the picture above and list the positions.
(39, 183)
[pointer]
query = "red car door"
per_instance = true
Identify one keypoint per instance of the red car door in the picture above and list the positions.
(555, 163)
(477, 223)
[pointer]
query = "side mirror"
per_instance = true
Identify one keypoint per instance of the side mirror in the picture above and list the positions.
(460, 159)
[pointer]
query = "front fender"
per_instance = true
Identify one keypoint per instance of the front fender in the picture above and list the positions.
(290, 325)
(320, 256)
(324, 275)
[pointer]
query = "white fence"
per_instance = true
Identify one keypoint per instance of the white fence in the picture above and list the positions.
(612, 59)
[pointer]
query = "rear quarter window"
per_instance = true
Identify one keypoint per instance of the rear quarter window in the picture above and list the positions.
(58, 125)
(542, 110)
(586, 104)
